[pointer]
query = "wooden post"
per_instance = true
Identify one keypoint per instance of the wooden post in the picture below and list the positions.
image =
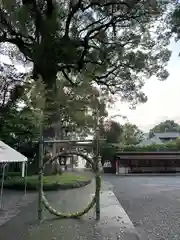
(41, 153)
(117, 167)
(97, 190)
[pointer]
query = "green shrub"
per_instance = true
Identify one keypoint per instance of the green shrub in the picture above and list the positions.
(53, 182)
(10, 174)
(171, 146)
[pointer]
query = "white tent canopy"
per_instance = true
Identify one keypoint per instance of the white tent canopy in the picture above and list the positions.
(9, 155)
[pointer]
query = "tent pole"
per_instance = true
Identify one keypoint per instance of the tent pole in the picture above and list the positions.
(2, 185)
(23, 169)
(25, 180)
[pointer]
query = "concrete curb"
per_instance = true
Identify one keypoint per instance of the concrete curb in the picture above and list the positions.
(115, 223)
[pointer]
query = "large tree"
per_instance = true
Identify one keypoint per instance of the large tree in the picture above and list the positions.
(166, 126)
(108, 42)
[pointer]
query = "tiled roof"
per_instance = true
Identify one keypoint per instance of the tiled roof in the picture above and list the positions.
(167, 135)
(153, 140)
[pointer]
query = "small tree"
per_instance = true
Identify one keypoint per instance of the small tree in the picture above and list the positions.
(131, 134)
(111, 131)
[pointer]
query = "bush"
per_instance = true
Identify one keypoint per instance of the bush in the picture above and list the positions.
(170, 146)
(53, 182)
(10, 175)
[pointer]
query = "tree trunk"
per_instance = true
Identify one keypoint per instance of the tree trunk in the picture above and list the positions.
(51, 108)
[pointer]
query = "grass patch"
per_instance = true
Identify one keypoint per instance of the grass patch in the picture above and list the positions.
(10, 175)
(54, 182)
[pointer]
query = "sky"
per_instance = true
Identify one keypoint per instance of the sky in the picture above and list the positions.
(163, 98)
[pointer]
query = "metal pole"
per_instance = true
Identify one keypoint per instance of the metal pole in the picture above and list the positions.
(25, 180)
(2, 185)
(41, 153)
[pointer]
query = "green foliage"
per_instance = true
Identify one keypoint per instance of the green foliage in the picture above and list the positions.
(9, 175)
(17, 128)
(108, 151)
(111, 131)
(166, 126)
(131, 134)
(171, 146)
(126, 134)
(54, 182)
(66, 111)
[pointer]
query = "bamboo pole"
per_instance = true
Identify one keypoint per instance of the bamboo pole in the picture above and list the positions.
(41, 152)
(97, 153)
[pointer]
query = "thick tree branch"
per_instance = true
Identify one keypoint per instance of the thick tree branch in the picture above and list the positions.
(95, 30)
(72, 11)
(16, 38)
(93, 23)
(88, 37)
(106, 84)
(84, 53)
(107, 74)
(68, 78)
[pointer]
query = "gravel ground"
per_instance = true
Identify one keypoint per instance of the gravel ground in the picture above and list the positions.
(152, 203)
(12, 202)
(24, 226)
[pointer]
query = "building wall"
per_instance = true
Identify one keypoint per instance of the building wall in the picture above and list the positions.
(166, 140)
(126, 170)
(149, 163)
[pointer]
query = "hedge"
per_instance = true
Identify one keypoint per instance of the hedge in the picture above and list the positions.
(54, 182)
(170, 146)
(10, 174)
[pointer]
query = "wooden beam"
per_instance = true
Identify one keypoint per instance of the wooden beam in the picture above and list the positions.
(70, 141)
